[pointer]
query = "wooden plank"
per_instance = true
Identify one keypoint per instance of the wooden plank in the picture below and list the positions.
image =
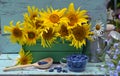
(91, 69)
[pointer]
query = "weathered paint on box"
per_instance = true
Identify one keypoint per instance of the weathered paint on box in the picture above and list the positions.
(57, 51)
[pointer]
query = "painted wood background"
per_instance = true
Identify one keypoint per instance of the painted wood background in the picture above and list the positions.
(14, 10)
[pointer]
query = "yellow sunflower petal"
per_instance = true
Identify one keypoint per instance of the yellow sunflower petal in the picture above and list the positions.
(62, 11)
(7, 28)
(29, 10)
(21, 53)
(71, 7)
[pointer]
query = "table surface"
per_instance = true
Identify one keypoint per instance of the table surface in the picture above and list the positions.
(9, 60)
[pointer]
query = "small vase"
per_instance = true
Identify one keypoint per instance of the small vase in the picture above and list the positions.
(96, 48)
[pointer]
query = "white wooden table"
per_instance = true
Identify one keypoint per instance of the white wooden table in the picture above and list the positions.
(92, 69)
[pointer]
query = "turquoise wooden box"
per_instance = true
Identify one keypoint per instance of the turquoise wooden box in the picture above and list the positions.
(57, 52)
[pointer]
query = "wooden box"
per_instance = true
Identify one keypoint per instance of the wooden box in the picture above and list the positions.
(57, 52)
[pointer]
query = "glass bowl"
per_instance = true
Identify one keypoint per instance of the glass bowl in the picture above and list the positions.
(77, 62)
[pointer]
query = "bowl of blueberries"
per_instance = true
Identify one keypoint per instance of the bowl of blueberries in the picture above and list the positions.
(77, 62)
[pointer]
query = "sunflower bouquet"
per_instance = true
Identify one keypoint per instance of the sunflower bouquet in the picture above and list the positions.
(68, 24)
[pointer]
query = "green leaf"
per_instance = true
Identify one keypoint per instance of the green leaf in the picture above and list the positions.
(118, 5)
(114, 61)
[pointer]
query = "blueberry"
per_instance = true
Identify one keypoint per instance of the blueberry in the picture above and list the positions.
(82, 56)
(51, 70)
(59, 70)
(86, 57)
(55, 67)
(76, 59)
(42, 62)
(82, 59)
(64, 71)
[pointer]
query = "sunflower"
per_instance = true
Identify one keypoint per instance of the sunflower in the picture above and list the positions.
(79, 35)
(53, 17)
(98, 29)
(62, 32)
(48, 37)
(76, 17)
(38, 23)
(33, 12)
(16, 31)
(31, 36)
(25, 58)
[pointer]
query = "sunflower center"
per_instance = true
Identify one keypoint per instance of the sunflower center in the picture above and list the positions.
(31, 35)
(17, 32)
(73, 19)
(24, 60)
(54, 18)
(33, 16)
(48, 35)
(79, 33)
(63, 31)
(97, 27)
(38, 24)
